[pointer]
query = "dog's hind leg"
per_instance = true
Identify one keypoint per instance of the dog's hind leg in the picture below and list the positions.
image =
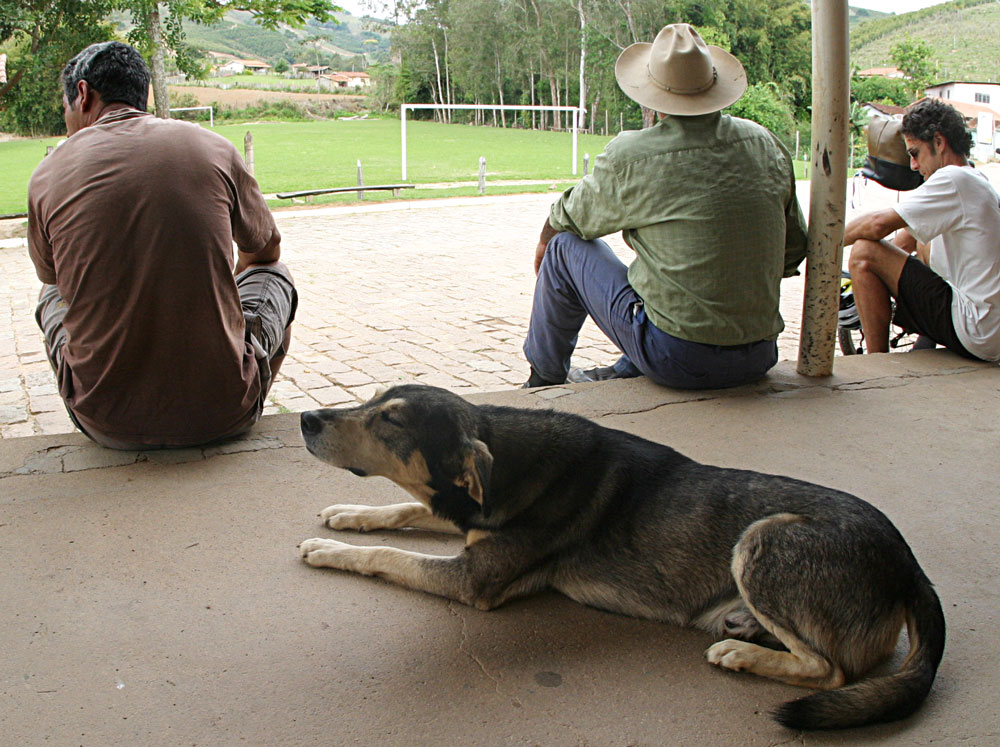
(802, 664)
(397, 516)
(799, 665)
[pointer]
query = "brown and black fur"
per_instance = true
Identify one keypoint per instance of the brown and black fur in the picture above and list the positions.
(807, 585)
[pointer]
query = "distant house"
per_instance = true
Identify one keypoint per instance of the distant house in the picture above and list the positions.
(256, 66)
(883, 72)
(349, 80)
(233, 67)
(968, 92)
(317, 70)
(884, 110)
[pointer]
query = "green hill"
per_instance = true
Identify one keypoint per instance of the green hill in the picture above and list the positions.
(963, 36)
(239, 35)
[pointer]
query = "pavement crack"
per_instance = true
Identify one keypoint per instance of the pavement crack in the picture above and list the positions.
(466, 649)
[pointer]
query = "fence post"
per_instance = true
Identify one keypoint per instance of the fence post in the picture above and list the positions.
(361, 182)
(586, 164)
(248, 151)
(482, 175)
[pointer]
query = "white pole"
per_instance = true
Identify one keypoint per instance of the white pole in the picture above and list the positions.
(402, 124)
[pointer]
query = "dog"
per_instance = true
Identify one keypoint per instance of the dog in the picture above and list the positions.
(805, 584)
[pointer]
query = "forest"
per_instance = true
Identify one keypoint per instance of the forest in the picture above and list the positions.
(562, 52)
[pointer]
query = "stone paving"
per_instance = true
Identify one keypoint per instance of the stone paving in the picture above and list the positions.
(435, 292)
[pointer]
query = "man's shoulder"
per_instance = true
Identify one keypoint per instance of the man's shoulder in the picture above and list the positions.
(187, 131)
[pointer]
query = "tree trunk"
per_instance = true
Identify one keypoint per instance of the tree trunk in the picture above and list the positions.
(531, 81)
(583, 59)
(503, 113)
(437, 69)
(447, 75)
(161, 98)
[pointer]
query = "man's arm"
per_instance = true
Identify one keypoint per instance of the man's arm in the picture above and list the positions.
(873, 226)
(270, 253)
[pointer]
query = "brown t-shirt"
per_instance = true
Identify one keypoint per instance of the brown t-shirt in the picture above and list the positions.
(133, 219)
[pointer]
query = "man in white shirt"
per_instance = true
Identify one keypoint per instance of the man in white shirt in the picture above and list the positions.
(952, 292)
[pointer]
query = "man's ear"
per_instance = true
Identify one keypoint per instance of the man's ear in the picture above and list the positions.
(86, 97)
(475, 476)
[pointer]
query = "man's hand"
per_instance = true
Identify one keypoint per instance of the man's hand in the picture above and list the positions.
(543, 241)
(539, 253)
(270, 253)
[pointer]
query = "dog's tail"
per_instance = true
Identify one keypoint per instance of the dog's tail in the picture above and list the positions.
(881, 699)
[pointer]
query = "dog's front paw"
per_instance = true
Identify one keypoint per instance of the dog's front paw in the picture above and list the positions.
(349, 516)
(324, 553)
(729, 654)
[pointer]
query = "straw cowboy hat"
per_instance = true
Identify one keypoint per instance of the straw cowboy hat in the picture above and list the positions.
(680, 74)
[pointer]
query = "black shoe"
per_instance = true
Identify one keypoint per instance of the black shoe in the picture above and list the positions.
(603, 373)
(536, 381)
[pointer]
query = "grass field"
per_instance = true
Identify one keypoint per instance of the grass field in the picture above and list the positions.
(292, 156)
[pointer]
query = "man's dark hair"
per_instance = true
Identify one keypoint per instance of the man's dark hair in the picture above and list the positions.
(932, 116)
(115, 70)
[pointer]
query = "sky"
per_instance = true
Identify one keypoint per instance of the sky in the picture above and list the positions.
(354, 7)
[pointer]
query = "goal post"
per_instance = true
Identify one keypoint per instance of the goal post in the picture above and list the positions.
(577, 114)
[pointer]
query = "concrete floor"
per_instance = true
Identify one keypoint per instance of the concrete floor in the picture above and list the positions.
(158, 599)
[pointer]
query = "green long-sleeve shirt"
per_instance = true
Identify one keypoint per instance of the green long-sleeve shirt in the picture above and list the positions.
(708, 205)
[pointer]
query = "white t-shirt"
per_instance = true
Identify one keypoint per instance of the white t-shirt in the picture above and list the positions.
(957, 212)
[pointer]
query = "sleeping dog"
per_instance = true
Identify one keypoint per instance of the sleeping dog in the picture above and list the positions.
(805, 584)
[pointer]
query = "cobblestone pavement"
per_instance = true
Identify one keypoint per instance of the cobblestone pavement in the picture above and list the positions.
(435, 292)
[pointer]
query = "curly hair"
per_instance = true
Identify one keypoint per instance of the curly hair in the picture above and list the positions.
(115, 70)
(927, 118)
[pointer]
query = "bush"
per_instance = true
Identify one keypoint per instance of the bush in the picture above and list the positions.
(763, 104)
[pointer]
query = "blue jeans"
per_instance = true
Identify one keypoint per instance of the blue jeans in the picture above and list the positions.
(578, 278)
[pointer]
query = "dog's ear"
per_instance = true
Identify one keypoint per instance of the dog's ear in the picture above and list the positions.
(475, 475)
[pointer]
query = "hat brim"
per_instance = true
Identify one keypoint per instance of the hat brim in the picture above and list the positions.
(632, 73)
(891, 175)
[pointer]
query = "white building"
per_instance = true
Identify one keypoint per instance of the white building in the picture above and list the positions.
(968, 92)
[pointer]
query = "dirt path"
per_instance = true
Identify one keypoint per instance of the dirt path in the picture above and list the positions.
(239, 98)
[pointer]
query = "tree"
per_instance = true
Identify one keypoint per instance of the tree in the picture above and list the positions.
(762, 103)
(913, 57)
(159, 28)
(40, 36)
(878, 90)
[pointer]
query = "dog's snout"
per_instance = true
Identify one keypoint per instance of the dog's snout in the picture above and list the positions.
(310, 423)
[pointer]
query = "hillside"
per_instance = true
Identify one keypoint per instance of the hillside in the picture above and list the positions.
(963, 36)
(857, 16)
(239, 35)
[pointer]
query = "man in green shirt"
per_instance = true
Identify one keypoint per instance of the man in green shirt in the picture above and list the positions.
(707, 202)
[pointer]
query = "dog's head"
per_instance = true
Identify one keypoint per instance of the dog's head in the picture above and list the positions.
(422, 438)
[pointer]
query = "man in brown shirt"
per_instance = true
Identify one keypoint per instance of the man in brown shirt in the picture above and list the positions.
(132, 220)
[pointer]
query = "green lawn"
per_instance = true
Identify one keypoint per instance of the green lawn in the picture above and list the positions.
(307, 155)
